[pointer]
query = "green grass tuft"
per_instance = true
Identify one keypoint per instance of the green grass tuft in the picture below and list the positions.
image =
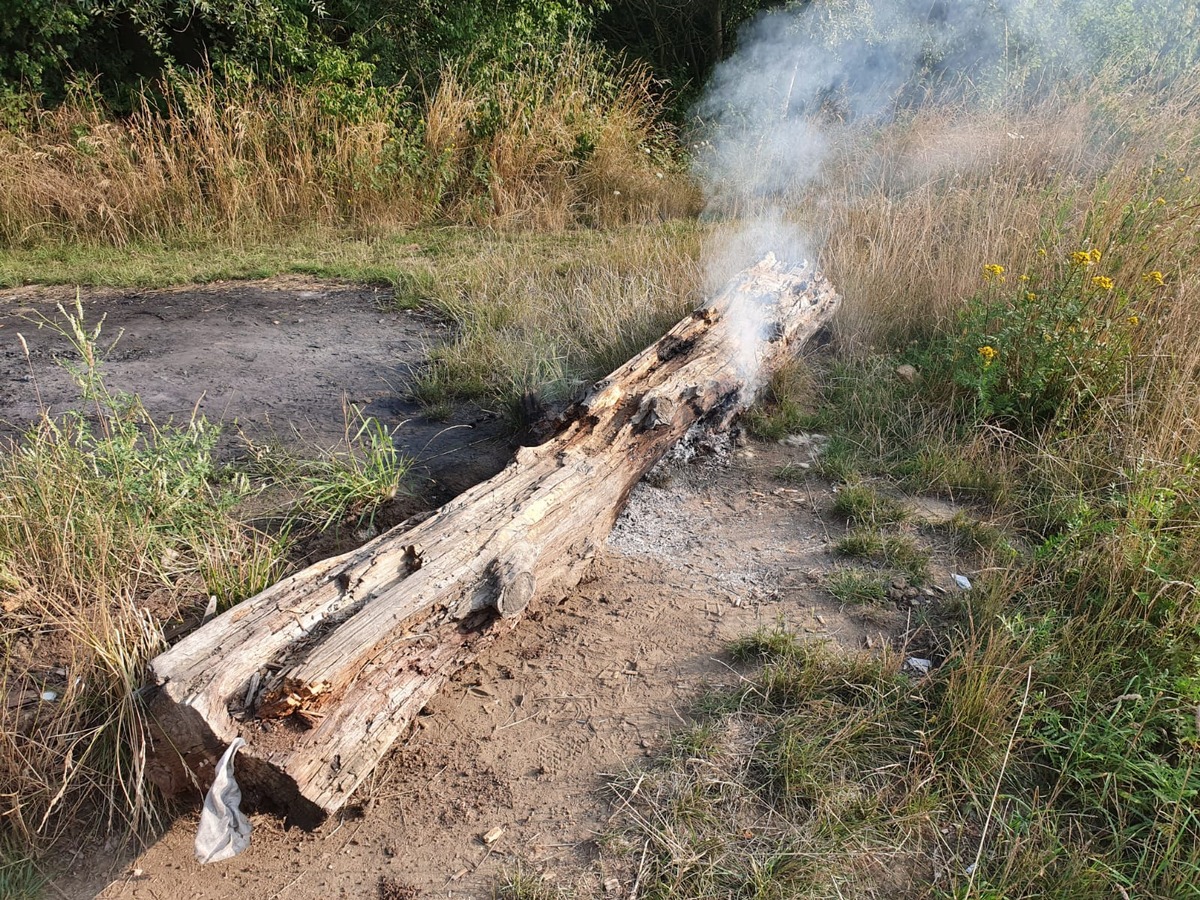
(856, 587)
(861, 504)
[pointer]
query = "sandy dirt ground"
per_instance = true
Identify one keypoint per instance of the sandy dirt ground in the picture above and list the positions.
(590, 684)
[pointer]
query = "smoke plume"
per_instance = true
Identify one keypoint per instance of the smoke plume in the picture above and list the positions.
(805, 75)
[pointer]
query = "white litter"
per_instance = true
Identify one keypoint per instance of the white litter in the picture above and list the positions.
(915, 665)
(224, 831)
(210, 610)
(962, 581)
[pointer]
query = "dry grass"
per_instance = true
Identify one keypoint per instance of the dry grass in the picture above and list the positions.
(550, 145)
(908, 215)
(106, 537)
(549, 323)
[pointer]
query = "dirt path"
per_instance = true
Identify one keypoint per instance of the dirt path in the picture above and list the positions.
(591, 683)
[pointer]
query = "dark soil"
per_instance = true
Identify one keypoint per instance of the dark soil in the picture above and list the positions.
(276, 360)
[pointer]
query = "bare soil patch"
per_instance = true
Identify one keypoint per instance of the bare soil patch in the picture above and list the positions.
(277, 359)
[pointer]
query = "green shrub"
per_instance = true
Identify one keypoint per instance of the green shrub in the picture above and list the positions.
(1042, 349)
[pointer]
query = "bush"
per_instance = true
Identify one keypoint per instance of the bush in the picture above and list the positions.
(1043, 350)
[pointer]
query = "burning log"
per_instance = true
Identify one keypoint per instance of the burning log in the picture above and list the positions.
(322, 672)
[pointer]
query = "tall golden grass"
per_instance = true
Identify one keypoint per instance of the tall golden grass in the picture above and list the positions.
(574, 140)
(908, 216)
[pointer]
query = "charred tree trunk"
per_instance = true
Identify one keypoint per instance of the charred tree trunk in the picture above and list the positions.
(322, 672)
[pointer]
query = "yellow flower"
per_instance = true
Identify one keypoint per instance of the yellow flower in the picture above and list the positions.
(1133, 320)
(1094, 254)
(1160, 201)
(1154, 278)
(1041, 251)
(1187, 177)
(1081, 258)
(1030, 295)
(1103, 282)
(993, 272)
(988, 354)
(1023, 278)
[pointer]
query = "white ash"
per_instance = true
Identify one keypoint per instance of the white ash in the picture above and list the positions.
(700, 445)
(662, 522)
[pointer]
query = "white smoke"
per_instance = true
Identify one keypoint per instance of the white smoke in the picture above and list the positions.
(806, 74)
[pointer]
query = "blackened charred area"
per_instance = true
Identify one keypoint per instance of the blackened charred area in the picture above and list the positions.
(671, 346)
(772, 332)
(721, 413)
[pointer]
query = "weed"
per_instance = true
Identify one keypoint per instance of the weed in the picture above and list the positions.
(110, 525)
(19, 876)
(411, 290)
(899, 551)
(354, 482)
(1047, 353)
(521, 882)
(861, 504)
(528, 325)
(784, 407)
(762, 644)
(856, 586)
(794, 473)
(841, 459)
(549, 142)
(974, 536)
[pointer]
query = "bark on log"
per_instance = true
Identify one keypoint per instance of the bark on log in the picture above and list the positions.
(322, 672)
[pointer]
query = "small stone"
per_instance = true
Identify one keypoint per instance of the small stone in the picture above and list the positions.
(494, 835)
(906, 373)
(963, 582)
(49, 696)
(611, 885)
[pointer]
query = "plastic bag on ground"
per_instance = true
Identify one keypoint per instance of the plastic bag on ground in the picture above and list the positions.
(224, 831)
